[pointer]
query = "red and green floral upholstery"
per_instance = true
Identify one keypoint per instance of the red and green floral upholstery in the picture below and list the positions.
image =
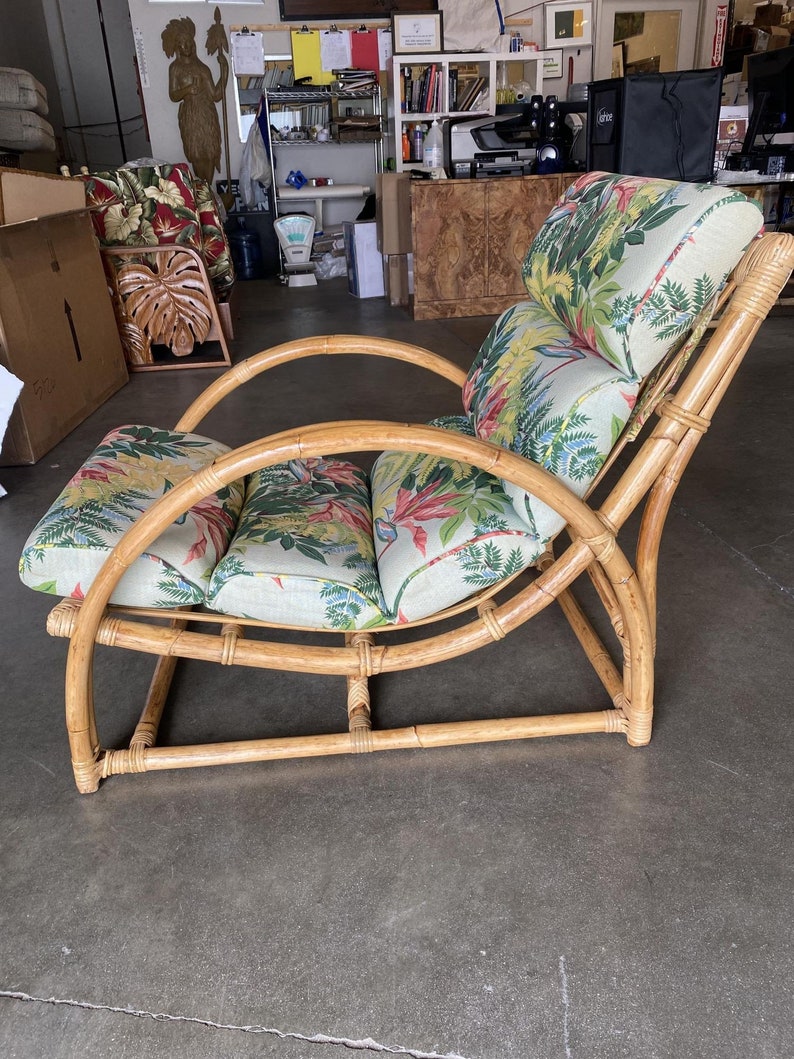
(616, 277)
(131, 468)
(157, 205)
(303, 552)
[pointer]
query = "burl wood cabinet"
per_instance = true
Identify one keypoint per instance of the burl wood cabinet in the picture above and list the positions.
(470, 238)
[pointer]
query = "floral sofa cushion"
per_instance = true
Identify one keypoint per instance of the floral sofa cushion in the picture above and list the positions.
(131, 468)
(443, 530)
(627, 263)
(535, 389)
(303, 552)
(161, 205)
(305, 548)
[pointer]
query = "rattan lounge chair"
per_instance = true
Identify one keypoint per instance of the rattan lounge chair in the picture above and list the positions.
(480, 520)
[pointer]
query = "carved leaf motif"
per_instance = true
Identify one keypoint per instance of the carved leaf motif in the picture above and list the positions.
(170, 304)
(136, 343)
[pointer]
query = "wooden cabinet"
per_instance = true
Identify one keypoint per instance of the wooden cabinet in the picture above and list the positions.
(470, 238)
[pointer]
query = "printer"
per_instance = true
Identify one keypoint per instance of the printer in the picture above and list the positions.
(488, 146)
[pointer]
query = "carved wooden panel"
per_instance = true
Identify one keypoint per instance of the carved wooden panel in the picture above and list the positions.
(167, 300)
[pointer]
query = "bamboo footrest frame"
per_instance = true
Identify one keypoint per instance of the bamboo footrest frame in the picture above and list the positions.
(627, 590)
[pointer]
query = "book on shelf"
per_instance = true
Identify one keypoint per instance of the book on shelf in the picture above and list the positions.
(470, 93)
(453, 88)
(421, 92)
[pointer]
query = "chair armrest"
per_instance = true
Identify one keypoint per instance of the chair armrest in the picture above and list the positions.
(325, 345)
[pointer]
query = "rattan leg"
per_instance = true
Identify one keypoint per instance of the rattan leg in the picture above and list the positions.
(358, 699)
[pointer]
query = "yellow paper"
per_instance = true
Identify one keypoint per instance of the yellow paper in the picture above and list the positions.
(306, 57)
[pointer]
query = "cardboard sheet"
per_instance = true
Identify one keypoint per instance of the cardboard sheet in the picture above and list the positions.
(57, 330)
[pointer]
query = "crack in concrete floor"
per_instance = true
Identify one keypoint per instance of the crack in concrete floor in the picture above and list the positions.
(363, 1045)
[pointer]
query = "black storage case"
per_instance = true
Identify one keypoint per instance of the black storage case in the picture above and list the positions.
(655, 125)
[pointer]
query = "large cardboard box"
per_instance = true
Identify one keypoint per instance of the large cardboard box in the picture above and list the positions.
(398, 272)
(364, 260)
(57, 329)
(25, 194)
(393, 212)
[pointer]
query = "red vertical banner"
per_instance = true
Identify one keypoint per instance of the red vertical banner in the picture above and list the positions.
(720, 33)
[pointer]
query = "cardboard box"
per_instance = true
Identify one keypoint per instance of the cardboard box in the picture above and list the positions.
(398, 274)
(779, 37)
(25, 194)
(57, 328)
(393, 213)
(768, 14)
(364, 260)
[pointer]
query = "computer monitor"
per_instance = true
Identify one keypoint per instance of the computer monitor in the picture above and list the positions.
(770, 87)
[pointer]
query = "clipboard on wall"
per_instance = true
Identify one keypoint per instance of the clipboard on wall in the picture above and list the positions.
(306, 59)
(364, 49)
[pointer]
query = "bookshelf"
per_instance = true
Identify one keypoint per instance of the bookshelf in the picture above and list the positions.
(450, 85)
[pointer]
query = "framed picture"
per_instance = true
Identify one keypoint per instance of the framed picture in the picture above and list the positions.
(628, 24)
(618, 60)
(552, 64)
(569, 25)
(419, 32)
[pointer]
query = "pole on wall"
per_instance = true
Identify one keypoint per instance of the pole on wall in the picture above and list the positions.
(112, 82)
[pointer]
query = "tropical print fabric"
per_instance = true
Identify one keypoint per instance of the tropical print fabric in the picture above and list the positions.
(617, 276)
(214, 244)
(156, 205)
(443, 530)
(303, 552)
(536, 390)
(627, 263)
(131, 469)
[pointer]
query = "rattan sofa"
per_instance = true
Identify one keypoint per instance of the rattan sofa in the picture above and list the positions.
(169, 543)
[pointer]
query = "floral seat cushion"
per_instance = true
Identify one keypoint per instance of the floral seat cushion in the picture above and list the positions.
(303, 552)
(443, 530)
(131, 468)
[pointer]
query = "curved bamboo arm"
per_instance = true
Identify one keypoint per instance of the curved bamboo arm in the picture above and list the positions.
(593, 539)
(320, 345)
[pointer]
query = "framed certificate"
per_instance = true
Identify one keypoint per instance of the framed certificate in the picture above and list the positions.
(418, 32)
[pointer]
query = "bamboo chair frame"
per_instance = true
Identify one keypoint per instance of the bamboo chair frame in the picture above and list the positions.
(627, 591)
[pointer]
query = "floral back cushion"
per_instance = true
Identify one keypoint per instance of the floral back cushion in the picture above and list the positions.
(146, 206)
(627, 263)
(214, 243)
(535, 389)
(132, 468)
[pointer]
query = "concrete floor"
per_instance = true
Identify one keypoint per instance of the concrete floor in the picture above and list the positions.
(555, 899)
